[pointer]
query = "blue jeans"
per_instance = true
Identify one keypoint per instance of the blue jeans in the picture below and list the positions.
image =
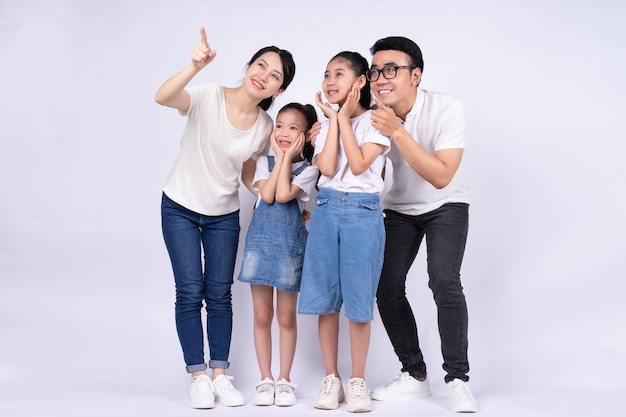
(187, 234)
(445, 230)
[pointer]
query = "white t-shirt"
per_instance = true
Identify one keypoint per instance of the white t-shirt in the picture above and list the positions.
(436, 122)
(306, 180)
(371, 180)
(205, 176)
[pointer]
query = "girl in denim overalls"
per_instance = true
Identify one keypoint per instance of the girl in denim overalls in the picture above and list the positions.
(275, 244)
(345, 248)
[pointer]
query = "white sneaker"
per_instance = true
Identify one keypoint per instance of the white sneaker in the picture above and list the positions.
(285, 395)
(225, 393)
(201, 392)
(404, 386)
(264, 392)
(461, 398)
(357, 400)
(331, 393)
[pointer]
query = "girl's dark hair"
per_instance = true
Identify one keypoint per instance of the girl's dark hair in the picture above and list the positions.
(310, 115)
(402, 44)
(289, 70)
(359, 65)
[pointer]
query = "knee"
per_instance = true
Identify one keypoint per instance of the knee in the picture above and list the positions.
(446, 289)
(388, 293)
(263, 317)
(286, 320)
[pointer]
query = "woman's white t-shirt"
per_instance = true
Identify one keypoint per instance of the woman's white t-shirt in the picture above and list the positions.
(205, 175)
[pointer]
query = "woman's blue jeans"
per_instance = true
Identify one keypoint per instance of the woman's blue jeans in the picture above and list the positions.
(445, 230)
(187, 235)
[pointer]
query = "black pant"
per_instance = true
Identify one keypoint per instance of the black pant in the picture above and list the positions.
(446, 233)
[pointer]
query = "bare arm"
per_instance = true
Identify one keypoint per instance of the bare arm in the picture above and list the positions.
(172, 93)
(247, 175)
(437, 169)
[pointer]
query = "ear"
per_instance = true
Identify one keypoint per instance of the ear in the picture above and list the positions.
(416, 76)
(279, 92)
(362, 81)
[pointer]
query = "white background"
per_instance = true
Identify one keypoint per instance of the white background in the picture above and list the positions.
(86, 291)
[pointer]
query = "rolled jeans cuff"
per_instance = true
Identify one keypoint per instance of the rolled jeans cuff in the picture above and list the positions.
(195, 368)
(219, 364)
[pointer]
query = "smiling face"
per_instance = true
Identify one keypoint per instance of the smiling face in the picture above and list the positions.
(264, 76)
(338, 79)
(289, 125)
(400, 92)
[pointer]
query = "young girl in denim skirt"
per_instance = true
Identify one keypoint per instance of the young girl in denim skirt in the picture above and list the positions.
(344, 251)
(275, 243)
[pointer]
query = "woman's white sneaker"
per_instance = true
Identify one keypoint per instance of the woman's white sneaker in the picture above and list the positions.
(201, 392)
(226, 393)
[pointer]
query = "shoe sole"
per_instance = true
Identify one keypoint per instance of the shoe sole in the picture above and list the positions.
(203, 406)
(285, 404)
(400, 397)
(359, 409)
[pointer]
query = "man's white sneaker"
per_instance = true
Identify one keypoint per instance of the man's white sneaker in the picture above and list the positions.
(461, 398)
(201, 392)
(264, 392)
(331, 393)
(225, 393)
(357, 399)
(403, 386)
(285, 395)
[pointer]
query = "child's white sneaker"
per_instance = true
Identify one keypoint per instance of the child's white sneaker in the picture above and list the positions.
(264, 392)
(285, 395)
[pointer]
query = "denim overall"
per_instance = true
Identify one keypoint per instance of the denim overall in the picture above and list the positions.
(275, 242)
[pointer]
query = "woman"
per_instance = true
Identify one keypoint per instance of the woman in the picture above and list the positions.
(227, 130)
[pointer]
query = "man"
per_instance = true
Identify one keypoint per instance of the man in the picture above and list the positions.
(429, 198)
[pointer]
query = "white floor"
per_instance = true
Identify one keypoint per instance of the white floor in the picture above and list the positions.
(83, 339)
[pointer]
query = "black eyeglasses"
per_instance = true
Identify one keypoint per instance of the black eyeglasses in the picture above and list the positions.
(389, 72)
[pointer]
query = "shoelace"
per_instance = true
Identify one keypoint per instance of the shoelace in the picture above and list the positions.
(328, 384)
(284, 388)
(460, 390)
(201, 384)
(393, 383)
(357, 387)
(264, 387)
(224, 382)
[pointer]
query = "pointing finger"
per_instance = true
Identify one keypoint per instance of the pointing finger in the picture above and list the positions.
(203, 36)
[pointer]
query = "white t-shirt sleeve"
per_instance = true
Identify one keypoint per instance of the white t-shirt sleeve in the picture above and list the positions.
(452, 134)
(262, 172)
(306, 180)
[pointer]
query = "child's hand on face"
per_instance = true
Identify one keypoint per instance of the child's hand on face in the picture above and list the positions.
(295, 149)
(326, 108)
(275, 146)
(351, 103)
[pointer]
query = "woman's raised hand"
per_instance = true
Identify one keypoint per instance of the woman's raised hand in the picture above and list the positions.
(202, 53)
